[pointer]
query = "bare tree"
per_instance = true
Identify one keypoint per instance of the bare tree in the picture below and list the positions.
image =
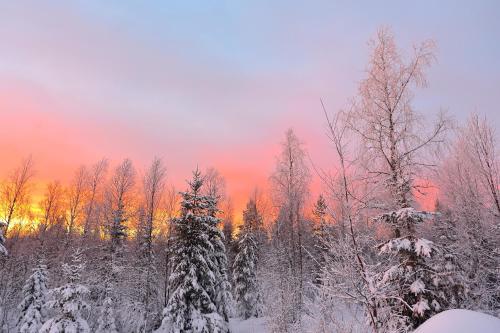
(76, 197)
(153, 190)
(481, 141)
(171, 210)
(118, 195)
(290, 183)
(386, 122)
(470, 212)
(50, 206)
(15, 192)
(95, 181)
(214, 184)
(357, 285)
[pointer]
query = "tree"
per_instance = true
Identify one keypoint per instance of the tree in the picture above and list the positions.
(246, 288)
(410, 288)
(51, 206)
(290, 188)
(118, 196)
(171, 207)
(254, 221)
(214, 184)
(15, 192)
(32, 306)
(69, 301)
(95, 179)
(480, 142)
(391, 131)
(322, 235)
(76, 196)
(471, 220)
(346, 274)
(153, 191)
(192, 306)
(107, 319)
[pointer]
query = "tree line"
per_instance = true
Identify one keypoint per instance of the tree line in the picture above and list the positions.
(114, 252)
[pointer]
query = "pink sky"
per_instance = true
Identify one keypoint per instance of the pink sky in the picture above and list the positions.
(214, 84)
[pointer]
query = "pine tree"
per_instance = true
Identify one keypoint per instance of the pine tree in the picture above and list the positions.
(32, 306)
(107, 319)
(3, 250)
(69, 301)
(194, 305)
(246, 289)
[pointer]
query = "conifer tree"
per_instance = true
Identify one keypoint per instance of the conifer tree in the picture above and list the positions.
(32, 306)
(69, 301)
(107, 319)
(412, 286)
(246, 289)
(254, 222)
(219, 260)
(321, 234)
(194, 305)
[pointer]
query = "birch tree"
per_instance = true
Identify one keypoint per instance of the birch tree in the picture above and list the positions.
(290, 183)
(15, 192)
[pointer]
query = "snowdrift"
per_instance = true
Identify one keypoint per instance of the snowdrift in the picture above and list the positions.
(460, 321)
(252, 325)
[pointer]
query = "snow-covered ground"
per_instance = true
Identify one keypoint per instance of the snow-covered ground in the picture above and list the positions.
(451, 321)
(252, 325)
(460, 321)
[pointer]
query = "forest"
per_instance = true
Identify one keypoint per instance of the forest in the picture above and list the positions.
(122, 250)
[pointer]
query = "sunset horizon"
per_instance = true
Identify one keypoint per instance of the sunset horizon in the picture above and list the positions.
(249, 166)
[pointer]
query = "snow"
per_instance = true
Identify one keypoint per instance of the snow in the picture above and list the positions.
(423, 247)
(460, 321)
(420, 307)
(252, 325)
(417, 287)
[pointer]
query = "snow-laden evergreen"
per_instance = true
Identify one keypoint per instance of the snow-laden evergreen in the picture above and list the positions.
(69, 301)
(32, 306)
(411, 286)
(246, 289)
(198, 289)
(107, 318)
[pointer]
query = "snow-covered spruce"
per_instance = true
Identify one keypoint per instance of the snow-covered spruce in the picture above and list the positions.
(32, 306)
(69, 301)
(246, 289)
(107, 319)
(411, 286)
(194, 304)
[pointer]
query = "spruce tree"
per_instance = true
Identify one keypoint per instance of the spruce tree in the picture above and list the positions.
(219, 259)
(32, 306)
(195, 304)
(69, 301)
(246, 289)
(107, 319)
(322, 233)
(253, 220)
(411, 286)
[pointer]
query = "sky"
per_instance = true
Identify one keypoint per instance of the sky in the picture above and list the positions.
(216, 83)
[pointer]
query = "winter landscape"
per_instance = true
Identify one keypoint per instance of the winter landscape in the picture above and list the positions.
(216, 167)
